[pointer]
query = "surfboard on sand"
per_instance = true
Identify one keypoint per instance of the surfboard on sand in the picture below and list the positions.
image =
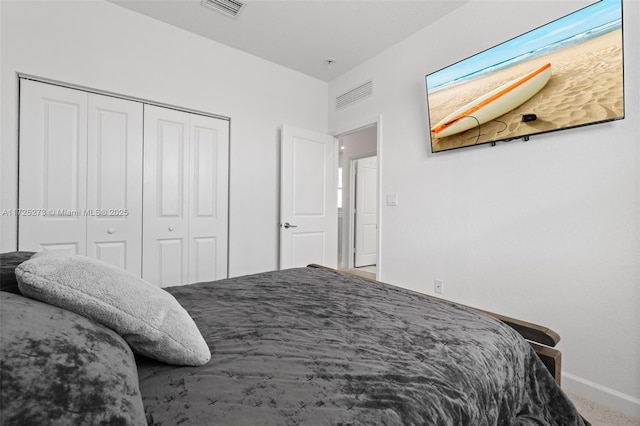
(493, 104)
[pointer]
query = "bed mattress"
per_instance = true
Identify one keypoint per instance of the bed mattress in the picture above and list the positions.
(310, 346)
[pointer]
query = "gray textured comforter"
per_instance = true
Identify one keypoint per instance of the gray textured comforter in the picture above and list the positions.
(312, 347)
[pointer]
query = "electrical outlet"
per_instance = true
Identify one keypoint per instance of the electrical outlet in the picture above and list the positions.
(438, 286)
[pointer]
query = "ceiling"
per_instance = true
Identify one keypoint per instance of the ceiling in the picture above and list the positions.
(303, 34)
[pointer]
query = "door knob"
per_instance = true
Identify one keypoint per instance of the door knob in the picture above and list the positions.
(110, 231)
(171, 228)
(287, 225)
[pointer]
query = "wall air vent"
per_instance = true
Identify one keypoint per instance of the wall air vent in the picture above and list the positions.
(228, 7)
(354, 95)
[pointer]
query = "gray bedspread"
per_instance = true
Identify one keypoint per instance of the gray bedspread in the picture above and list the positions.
(312, 347)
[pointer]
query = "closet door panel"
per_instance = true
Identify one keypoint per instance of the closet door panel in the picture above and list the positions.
(171, 265)
(202, 260)
(208, 212)
(165, 196)
(114, 181)
(66, 248)
(52, 168)
(114, 252)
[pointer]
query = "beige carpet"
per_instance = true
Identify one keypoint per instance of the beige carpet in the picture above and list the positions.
(598, 414)
(367, 272)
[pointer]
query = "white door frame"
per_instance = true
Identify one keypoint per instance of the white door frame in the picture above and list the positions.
(351, 128)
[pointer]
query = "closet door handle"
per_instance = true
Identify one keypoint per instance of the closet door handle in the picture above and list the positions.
(287, 225)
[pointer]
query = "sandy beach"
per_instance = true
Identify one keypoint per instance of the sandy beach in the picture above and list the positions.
(585, 86)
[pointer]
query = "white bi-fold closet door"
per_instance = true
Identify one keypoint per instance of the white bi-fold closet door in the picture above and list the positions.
(185, 197)
(86, 187)
(80, 174)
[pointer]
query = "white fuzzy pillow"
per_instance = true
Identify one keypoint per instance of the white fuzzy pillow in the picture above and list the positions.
(147, 317)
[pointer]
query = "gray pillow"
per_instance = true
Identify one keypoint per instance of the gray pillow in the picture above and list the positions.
(60, 368)
(146, 316)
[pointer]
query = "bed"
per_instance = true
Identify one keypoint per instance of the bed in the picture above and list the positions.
(312, 346)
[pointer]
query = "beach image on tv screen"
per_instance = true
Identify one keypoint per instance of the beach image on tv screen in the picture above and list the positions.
(567, 73)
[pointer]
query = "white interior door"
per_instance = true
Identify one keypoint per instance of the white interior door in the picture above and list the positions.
(366, 251)
(208, 188)
(52, 168)
(114, 182)
(308, 199)
(165, 197)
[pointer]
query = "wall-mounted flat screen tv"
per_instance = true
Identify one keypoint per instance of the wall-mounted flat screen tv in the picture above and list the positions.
(564, 74)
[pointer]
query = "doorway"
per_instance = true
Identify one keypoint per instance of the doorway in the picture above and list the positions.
(358, 201)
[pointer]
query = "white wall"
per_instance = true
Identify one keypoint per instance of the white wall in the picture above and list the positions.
(103, 46)
(547, 230)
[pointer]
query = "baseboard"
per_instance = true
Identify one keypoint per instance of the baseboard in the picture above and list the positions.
(618, 401)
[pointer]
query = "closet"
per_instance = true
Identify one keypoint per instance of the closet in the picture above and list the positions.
(185, 197)
(80, 154)
(136, 185)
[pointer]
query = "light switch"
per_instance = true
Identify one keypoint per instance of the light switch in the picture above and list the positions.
(392, 199)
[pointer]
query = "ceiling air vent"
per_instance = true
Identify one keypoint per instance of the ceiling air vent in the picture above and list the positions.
(228, 7)
(354, 95)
